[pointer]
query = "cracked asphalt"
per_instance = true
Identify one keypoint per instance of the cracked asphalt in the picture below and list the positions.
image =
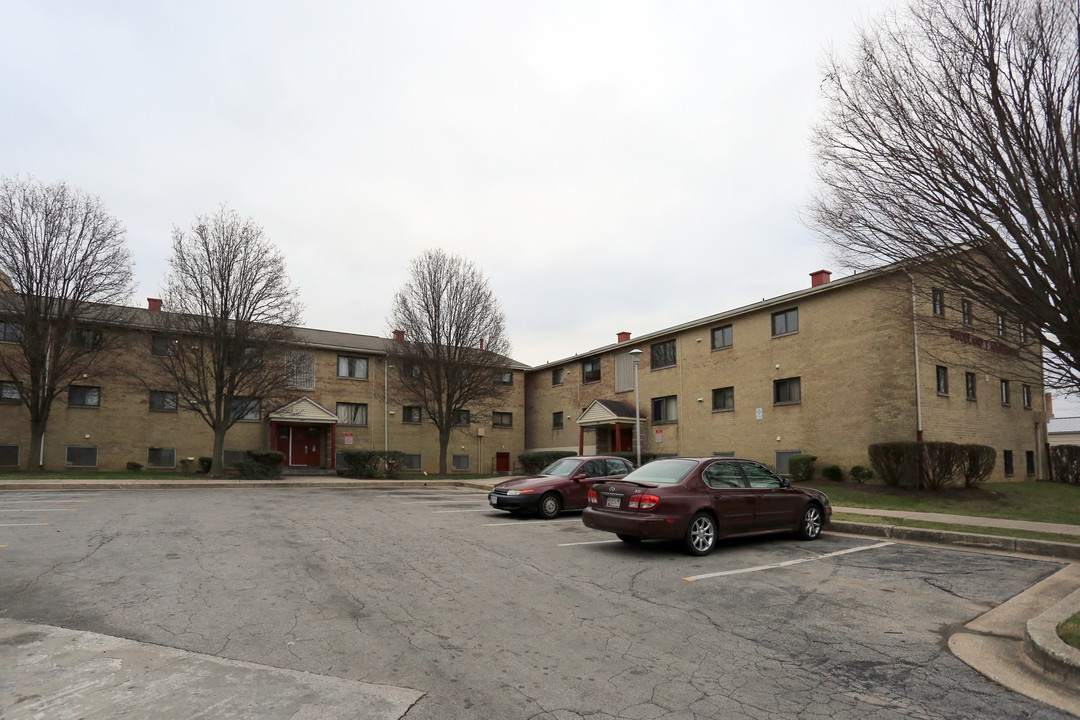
(490, 616)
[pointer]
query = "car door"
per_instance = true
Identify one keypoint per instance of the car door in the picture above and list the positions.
(578, 492)
(775, 506)
(732, 500)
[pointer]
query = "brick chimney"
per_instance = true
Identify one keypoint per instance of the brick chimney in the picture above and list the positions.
(399, 334)
(624, 336)
(1049, 400)
(153, 304)
(819, 277)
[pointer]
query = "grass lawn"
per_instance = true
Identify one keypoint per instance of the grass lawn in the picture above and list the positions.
(1037, 501)
(1069, 631)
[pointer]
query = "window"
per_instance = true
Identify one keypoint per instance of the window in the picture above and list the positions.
(787, 391)
(1008, 457)
(81, 456)
(10, 393)
(1022, 328)
(783, 458)
(970, 385)
(723, 475)
(83, 396)
(245, 408)
(723, 399)
(411, 414)
(662, 354)
(942, 380)
(353, 367)
(461, 418)
(160, 457)
(966, 316)
(665, 409)
(619, 467)
(300, 371)
(759, 476)
(9, 331)
(162, 401)
(352, 413)
(938, 301)
(460, 462)
(556, 376)
(1029, 457)
(87, 339)
(557, 420)
(502, 419)
(1001, 325)
(721, 337)
(9, 455)
(413, 461)
(590, 371)
(504, 377)
(162, 346)
(786, 322)
(1004, 392)
(244, 357)
(1025, 395)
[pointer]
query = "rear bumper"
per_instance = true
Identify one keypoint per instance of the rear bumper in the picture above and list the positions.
(643, 525)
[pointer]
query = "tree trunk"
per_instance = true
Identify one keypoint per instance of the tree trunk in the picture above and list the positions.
(217, 465)
(35, 461)
(444, 444)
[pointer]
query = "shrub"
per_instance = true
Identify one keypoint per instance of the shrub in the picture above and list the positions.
(980, 463)
(371, 463)
(1065, 464)
(534, 462)
(801, 467)
(896, 463)
(860, 474)
(833, 472)
(942, 464)
(205, 463)
(134, 466)
(393, 462)
(260, 465)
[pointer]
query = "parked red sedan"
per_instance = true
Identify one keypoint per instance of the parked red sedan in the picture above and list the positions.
(700, 500)
(562, 485)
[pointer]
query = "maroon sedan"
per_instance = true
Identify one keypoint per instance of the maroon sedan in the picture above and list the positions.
(700, 500)
(562, 485)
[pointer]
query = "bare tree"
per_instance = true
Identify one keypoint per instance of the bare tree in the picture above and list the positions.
(454, 342)
(951, 144)
(68, 273)
(231, 316)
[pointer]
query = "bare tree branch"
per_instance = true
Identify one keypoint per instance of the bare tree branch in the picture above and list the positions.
(68, 273)
(955, 127)
(454, 342)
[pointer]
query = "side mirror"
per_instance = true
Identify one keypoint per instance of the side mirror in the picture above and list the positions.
(579, 476)
(784, 482)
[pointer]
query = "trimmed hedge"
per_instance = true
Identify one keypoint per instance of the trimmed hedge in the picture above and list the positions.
(371, 463)
(260, 465)
(801, 467)
(534, 462)
(981, 460)
(1065, 464)
(833, 472)
(860, 474)
(931, 465)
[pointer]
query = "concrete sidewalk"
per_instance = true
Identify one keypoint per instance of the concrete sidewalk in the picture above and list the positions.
(1016, 644)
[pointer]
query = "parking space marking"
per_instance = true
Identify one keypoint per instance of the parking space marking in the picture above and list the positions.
(22, 524)
(590, 542)
(528, 522)
(786, 563)
(461, 511)
(14, 510)
(58, 502)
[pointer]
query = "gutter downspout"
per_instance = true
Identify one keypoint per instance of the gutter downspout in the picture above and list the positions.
(918, 381)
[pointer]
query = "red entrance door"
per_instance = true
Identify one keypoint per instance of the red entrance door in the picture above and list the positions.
(502, 462)
(306, 446)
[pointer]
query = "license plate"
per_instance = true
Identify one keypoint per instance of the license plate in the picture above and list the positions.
(493, 500)
(613, 502)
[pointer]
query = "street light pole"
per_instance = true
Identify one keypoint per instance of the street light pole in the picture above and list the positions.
(636, 355)
(386, 404)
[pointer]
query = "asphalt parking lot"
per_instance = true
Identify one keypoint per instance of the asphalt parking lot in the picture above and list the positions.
(461, 611)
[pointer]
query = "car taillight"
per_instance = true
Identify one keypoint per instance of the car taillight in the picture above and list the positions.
(643, 502)
(592, 497)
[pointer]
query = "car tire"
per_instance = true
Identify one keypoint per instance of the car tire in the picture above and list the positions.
(810, 524)
(550, 506)
(701, 534)
(628, 538)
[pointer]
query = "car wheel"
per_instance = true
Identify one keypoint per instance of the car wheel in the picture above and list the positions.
(810, 525)
(701, 534)
(628, 538)
(550, 506)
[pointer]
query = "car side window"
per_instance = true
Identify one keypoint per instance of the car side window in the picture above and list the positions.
(594, 468)
(618, 467)
(760, 477)
(723, 475)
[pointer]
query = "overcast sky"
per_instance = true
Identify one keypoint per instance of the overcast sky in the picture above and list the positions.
(608, 165)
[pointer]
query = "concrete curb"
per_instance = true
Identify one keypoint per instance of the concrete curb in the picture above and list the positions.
(1047, 548)
(1046, 648)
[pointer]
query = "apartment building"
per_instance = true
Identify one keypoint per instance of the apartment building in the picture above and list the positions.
(827, 370)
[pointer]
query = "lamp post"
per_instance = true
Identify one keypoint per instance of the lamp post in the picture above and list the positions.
(386, 404)
(636, 355)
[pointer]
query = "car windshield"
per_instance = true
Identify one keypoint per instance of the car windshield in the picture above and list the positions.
(663, 472)
(560, 467)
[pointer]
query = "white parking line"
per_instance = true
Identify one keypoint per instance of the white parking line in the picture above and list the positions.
(590, 542)
(16, 502)
(13, 510)
(787, 562)
(461, 511)
(527, 522)
(22, 524)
